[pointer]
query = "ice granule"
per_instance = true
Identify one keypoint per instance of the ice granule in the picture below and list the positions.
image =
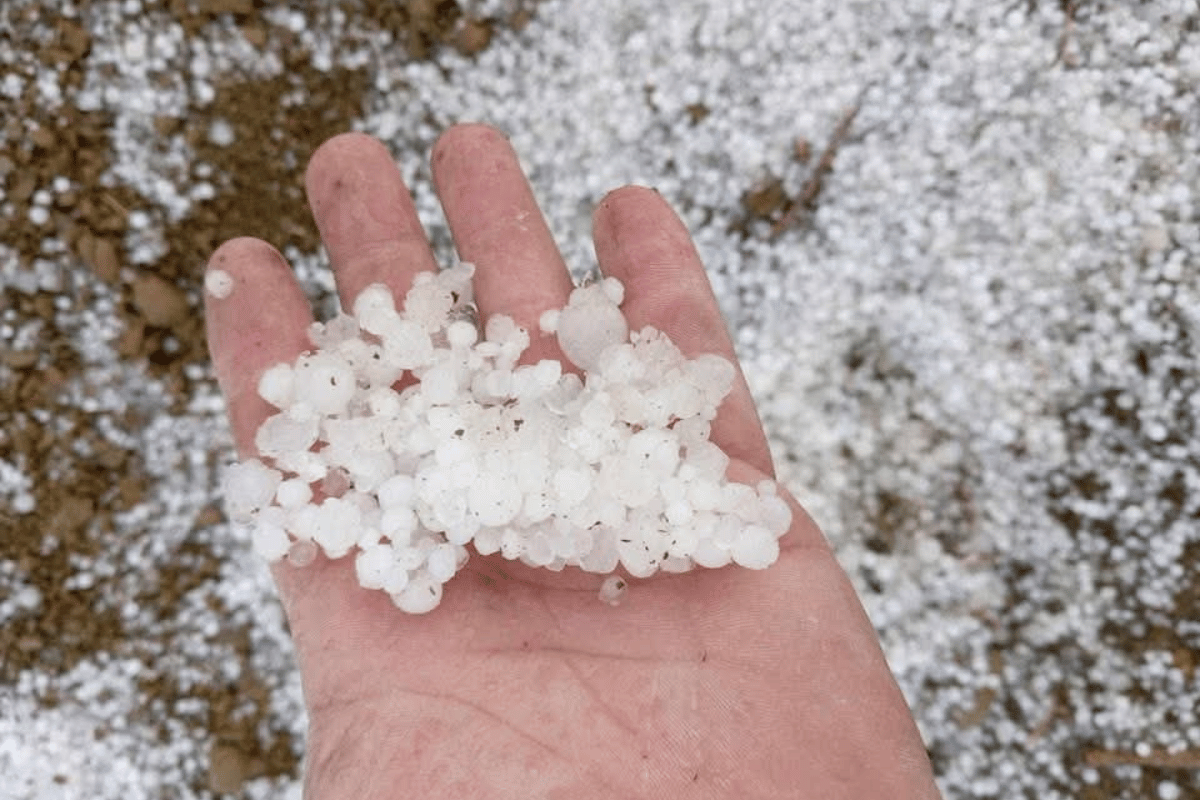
(218, 283)
(611, 468)
(613, 589)
(276, 385)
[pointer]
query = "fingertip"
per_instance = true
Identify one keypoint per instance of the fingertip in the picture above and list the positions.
(466, 140)
(331, 158)
(631, 193)
(366, 216)
(261, 321)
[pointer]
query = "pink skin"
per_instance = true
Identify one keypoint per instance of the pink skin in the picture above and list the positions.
(714, 684)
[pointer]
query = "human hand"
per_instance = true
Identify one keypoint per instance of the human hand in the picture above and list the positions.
(724, 683)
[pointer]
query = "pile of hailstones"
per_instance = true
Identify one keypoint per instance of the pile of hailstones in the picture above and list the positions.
(405, 437)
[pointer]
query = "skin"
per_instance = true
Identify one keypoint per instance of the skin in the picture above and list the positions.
(724, 683)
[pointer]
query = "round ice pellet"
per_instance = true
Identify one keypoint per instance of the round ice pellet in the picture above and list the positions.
(372, 565)
(584, 332)
(292, 493)
(325, 381)
(613, 589)
(420, 596)
(756, 548)
(218, 283)
(442, 563)
(276, 385)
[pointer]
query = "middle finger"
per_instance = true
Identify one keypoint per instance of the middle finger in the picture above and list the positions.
(498, 227)
(366, 217)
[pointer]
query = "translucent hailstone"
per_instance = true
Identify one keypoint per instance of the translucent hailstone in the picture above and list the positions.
(302, 553)
(548, 321)
(613, 589)
(328, 335)
(600, 470)
(281, 434)
(590, 323)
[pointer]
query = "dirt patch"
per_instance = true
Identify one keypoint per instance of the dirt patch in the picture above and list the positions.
(80, 456)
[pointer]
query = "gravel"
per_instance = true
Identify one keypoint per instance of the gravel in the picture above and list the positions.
(957, 244)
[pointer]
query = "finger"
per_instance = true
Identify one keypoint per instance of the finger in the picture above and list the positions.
(497, 226)
(641, 242)
(366, 217)
(261, 322)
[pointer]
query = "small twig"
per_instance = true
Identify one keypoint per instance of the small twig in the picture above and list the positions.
(806, 201)
(1163, 759)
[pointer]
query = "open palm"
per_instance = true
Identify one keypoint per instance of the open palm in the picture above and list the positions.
(712, 684)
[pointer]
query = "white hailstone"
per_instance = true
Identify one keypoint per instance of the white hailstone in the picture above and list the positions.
(308, 466)
(281, 434)
(571, 486)
(548, 321)
(442, 563)
(440, 383)
(636, 557)
(590, 323)
(612, 468)
(375, 309)
(249, 486)
(372, 565)
(776, 514)
(276, 385)
(325, 381)
(336, 526)
(421, 595)
(292, 493)
(218, 283)
(23, 503)
(487, 541)
(613, 589)
(461, 334)
(408, 345)
(397, 492)
(756, 548)
(512, 544)
(538, 552)
(398, 524)
(383, 402)
(603, 557)
(614, 290)
(711, 555)
(270, 541)
(495, 500)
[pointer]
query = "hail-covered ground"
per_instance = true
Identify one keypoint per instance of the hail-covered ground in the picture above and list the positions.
(957, 244)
